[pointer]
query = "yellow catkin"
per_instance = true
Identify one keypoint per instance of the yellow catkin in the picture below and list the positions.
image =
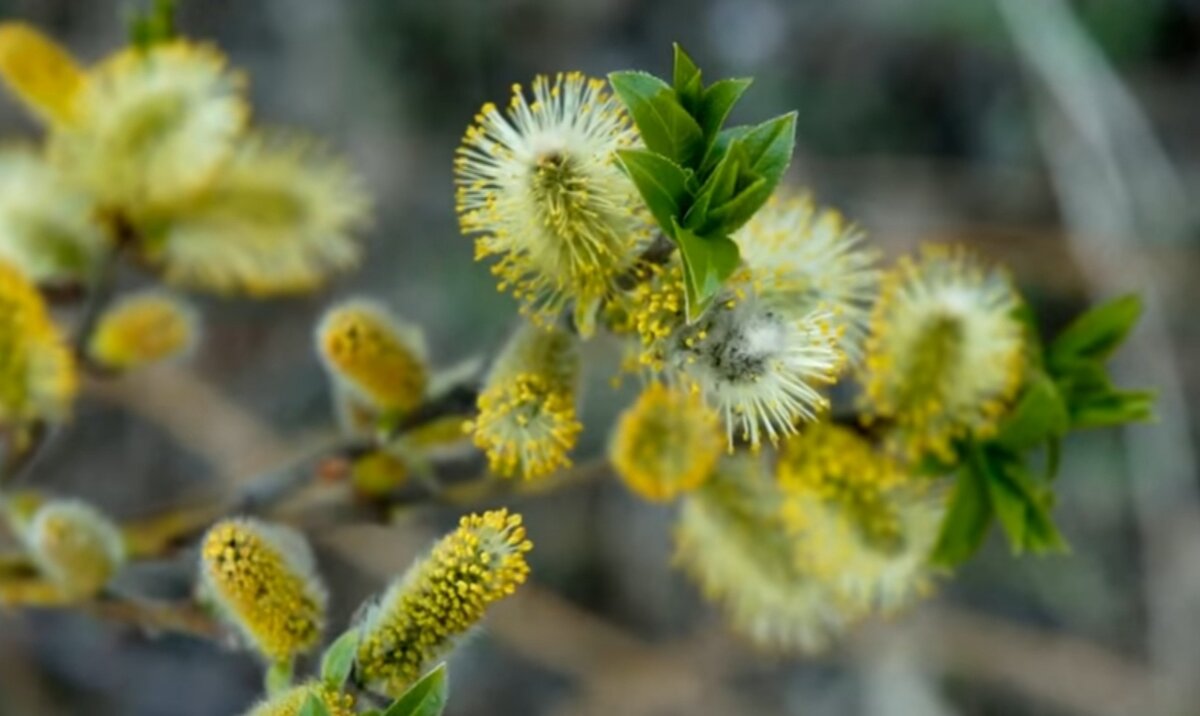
(143, 328)
(945, 353)
(262, 578)
(424, 612)
(730, 540)
(526, 421)
(833, 464)
(282, 215)
(526, 425)
(539, 187)
(40, 72)
(860, 524)
(75, 546)
(382, 360)
(666, 443)
(37, 370)
(290, 702)
(152, 126)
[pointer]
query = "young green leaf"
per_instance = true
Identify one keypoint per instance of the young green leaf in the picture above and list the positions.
(313, 706)
(764, 153)
(278, 677)
(687, 81)
(1040, 415)
(720, 186)
(967, 520)
(716, 104)
(1117, 407)
(1022, 507)
(154, 25)
(427, 697)
(1098, 332)
(338, 659)
(707, 262)
(665, 126)
(661, 182)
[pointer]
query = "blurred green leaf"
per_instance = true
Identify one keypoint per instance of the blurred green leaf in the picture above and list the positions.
(1021, 505)
(967, 519)
(278, 677)
(154, 25)
(313, 706)
(338, 659)
(427, 697)
(665, 126)
(661, 182)
(1116, 407)
(1095, 334)
(1039, 415)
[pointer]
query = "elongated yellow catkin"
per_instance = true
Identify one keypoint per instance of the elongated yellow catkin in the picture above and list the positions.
(263, 580)
(143, 328)
(40, 72)
(37, 371)
(290, 702)
(75, 546)
(440, 598)
(378, 357)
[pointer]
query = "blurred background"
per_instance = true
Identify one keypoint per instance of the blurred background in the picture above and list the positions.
(1059, 138)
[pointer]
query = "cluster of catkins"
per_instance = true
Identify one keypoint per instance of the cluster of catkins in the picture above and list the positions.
(830, 526)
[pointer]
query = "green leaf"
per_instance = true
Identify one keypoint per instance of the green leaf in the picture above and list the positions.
(427, 697)
(313, 706)
(1117, 407)
(1097, 333)
(661, 182)
(687, 81)
(766, 150)
(966, 522)
(1022, 506)
(1080, 378)
(707, 262)
(717, 102)
(665, 126)
(721, 185)
(1039, 415)
(769, 145)
(278, 678)
(153, 25)
(338, 659)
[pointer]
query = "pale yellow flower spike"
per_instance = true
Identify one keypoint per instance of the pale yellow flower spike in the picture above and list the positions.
(440, 598)
(75, 546)
(153, 126)
(730, 540)
(527, 421)
(37, 370)
(539, 186)
(263, 579)
(945, 354)
(143, 328)
(666, 443)
(381, 359)
(862, 526)
(48, 226)
(291, 701)
(40, 72)
(280, 217)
